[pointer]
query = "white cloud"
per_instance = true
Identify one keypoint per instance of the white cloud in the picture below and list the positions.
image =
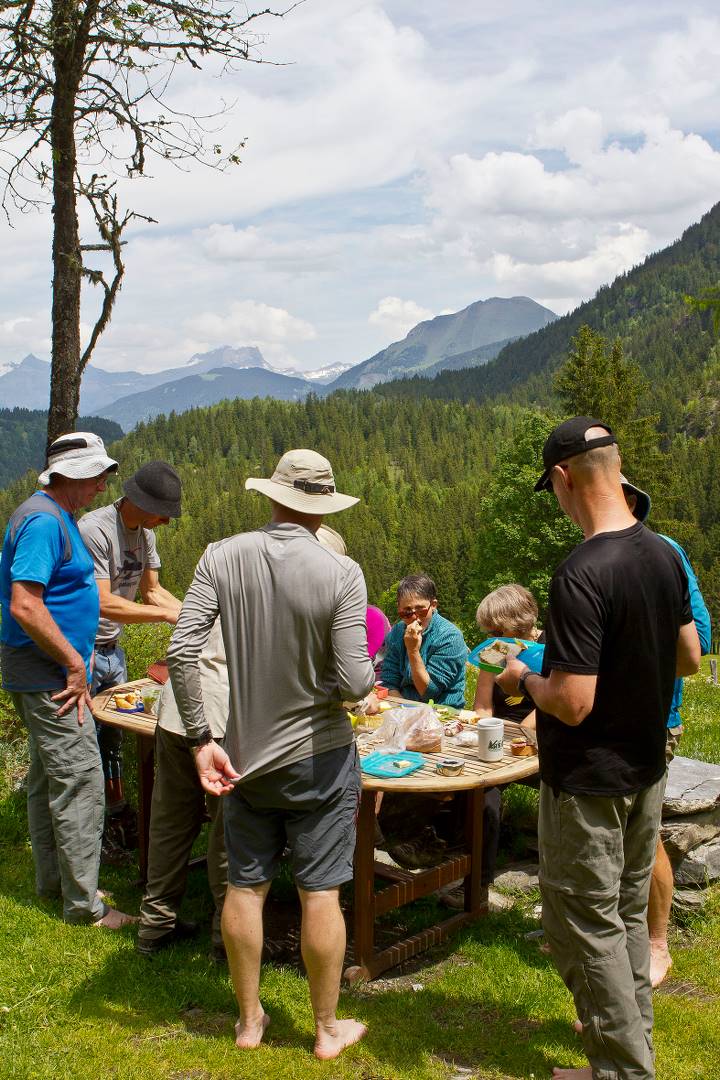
(249, 323)
(406, 150)
(397, 317)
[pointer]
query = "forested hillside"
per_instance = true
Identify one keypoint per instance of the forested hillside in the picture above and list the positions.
(420, 469)
(23, 436)
(674, 347)
(445, 487)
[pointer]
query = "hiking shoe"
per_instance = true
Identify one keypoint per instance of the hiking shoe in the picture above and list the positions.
(420, 854)
(122, 828)
(181, 931)
(111, 854)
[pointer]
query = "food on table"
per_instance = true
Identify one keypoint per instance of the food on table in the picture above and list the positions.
(127, 699)
(453, 728)
(467, 716)
(425, 742)
(521, 747)
(402, 763)
(380, 691)
(497, 654)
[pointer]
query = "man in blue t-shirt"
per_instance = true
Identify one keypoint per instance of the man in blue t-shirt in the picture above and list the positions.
(50, 612)
(661, 884)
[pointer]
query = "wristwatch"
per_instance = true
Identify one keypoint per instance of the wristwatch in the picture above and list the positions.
(522, 681)
(202, 739)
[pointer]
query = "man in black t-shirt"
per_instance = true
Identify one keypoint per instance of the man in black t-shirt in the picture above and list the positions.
(619, 628)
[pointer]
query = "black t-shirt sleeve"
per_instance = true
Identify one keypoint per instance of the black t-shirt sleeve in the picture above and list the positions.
(575, 626)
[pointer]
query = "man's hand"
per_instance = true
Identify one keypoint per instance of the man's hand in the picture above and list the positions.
(76, 693)
(413, 636)
(171, 615)
(215, 769)
(507, 680)
(370, 705)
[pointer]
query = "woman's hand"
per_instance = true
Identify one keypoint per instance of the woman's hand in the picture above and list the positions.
(413, 636)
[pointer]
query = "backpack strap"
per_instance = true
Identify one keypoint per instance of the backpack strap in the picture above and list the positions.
(40, 504)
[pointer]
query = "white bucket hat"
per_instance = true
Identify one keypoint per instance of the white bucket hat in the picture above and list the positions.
(79, 455)
(303, 481)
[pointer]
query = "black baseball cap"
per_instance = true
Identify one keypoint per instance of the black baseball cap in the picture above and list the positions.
(567, 441)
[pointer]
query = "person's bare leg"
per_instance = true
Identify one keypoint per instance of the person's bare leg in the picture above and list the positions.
(659, 902)
(322, 941)
(242, 930)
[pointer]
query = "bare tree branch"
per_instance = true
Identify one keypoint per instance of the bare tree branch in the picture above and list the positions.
(90, 78)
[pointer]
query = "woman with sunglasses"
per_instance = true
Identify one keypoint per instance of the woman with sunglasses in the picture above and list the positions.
(425, 657)
(425, 653)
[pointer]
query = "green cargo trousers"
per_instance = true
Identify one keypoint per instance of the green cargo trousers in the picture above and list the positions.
(596, 858)
(66, 804)
(178, 810)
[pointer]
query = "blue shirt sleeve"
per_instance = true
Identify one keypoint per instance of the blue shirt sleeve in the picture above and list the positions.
(700, 612)
(39, 549)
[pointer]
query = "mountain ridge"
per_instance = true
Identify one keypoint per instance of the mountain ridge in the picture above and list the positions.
(444, 337)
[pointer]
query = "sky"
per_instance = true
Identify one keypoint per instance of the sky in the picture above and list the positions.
(403, 159)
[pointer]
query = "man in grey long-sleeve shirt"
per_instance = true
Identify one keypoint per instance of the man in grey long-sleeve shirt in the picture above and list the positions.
(293, 621)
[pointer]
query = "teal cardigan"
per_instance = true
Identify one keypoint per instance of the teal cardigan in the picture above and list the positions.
(443, 651)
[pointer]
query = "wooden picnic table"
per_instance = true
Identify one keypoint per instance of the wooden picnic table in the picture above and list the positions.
(142, 725)
(408, 885)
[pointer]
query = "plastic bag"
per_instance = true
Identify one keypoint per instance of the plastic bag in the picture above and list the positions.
(423, 731)
(391, 732)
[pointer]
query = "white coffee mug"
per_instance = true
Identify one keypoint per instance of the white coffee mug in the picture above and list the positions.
(490, 739)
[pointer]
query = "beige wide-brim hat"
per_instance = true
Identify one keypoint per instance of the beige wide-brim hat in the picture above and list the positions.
(79, 455)
(303, 480)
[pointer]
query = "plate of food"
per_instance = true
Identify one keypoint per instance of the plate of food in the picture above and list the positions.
(493, 654)
(128, 701)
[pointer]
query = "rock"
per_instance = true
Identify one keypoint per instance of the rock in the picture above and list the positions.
(682, 836)
(692, 787)
(520, 878)
(689, 901)
(497, 902)
(700, 866)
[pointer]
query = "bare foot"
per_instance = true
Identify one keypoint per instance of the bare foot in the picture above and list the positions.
(115, 920)
(249, 1033)
(578, 1027)
(573, 1074)
(660, 962)
(330, 1043)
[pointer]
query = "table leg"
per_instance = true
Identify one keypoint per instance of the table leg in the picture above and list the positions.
(475, 893)
(364, 913)
(146, 779)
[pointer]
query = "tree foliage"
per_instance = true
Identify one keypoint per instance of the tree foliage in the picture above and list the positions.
(524, 535)
(83, 88)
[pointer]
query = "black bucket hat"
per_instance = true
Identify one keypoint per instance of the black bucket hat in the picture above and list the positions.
(567, 441)
(156, 489)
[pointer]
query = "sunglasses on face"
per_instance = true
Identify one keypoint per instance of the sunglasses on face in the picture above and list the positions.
(414, 613)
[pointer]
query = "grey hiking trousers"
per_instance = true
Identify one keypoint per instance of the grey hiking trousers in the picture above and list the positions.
(66, 804)
(596, 858)
(178, 810)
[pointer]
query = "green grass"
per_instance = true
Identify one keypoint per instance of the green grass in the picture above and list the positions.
(80, 1004)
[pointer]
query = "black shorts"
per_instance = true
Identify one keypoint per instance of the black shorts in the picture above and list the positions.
(310, 807)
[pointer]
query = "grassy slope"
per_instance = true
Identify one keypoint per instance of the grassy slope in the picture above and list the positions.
(78, 1003)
